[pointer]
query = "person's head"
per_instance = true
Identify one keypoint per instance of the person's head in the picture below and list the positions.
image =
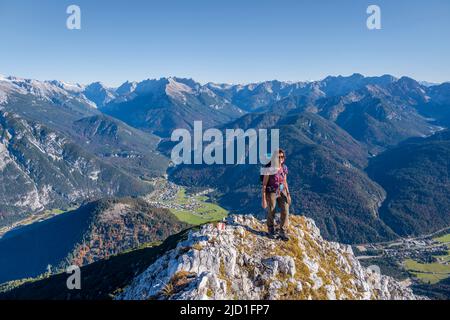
(281, 156)
(278, 158)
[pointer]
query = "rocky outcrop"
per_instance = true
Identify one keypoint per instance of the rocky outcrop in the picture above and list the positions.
(236, 260)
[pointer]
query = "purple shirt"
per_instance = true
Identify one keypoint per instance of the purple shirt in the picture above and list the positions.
(273, 185)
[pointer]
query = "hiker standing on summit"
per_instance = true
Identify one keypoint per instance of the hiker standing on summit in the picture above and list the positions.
(275, 190)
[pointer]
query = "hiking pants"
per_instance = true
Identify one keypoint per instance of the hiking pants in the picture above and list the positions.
(282, 202)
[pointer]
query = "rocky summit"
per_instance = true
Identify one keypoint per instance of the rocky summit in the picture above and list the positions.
(236, 260)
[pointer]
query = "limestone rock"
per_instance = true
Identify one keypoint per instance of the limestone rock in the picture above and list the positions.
(239, 261)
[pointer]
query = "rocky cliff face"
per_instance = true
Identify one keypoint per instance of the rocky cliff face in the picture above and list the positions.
(236, 260)
(41, 168)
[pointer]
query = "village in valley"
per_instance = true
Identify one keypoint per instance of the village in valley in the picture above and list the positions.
(425, 259)
(191, 207)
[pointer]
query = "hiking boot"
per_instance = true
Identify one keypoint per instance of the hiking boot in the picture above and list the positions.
(271, 233)
(283, 236)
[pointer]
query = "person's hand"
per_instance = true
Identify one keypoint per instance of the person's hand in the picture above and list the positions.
(264, 202)
(289, 199)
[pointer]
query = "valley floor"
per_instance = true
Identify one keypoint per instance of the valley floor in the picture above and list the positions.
(424, 260)
(192, 208)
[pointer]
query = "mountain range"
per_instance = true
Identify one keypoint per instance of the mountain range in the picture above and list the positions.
(367, 157)
(69, 143)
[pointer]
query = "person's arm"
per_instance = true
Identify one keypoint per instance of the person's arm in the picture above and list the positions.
(288, 194)
(263, 193)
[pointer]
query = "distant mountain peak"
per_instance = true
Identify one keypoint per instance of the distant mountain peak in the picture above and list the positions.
(100, 94)
(97, 85)
(176, 88)
(126, 88)
(429, 84)
(71, 87)
(44, 90)
(406, 79)
(353, 76)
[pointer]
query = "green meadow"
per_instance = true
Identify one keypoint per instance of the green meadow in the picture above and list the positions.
(443, 239)
(431, 272)
(204, 211)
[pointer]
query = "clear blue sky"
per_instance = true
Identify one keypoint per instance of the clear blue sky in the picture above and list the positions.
(231, 41)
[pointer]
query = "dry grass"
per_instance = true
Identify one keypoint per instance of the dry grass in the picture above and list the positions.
(223, 276)
(327, 260)
(177, 283)
(198, 247)
(168, 290)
